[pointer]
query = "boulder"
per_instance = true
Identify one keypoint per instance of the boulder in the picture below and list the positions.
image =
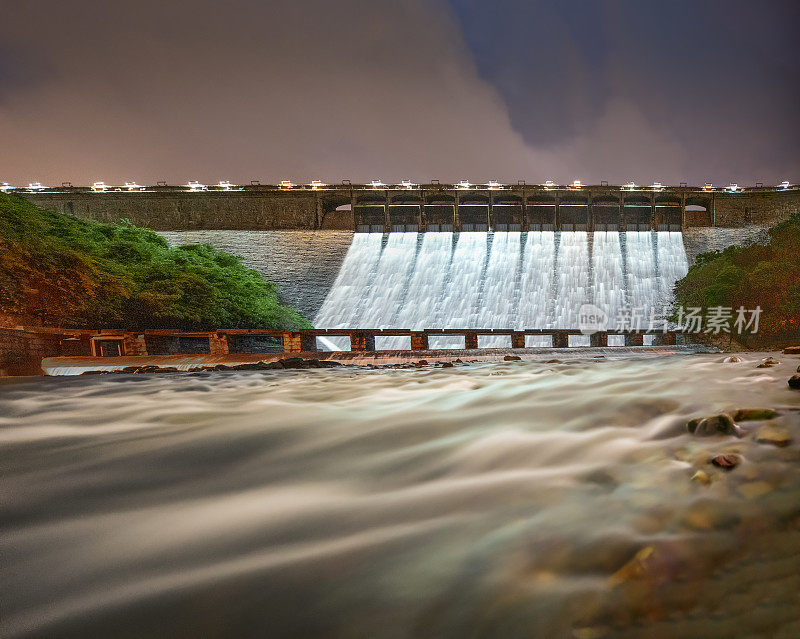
(447, 364)
(768, 362)
(721, 424)
(794, 382)
(512, 358)
(773, 434)
(791, 350)
(754, 414)
(733, 359)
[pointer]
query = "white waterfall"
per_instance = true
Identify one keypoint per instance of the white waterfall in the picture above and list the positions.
(497, 280)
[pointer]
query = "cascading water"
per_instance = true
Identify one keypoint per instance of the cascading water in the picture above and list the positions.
(498, 280)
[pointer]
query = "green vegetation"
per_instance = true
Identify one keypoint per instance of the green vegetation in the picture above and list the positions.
(73, 273)
(759, 275)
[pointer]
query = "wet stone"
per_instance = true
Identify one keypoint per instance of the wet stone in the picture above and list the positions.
(774, 435)
(447, 364)
(791, 350)
(726, 462)
(512, 358)
(768, 362)
(721, 424)
(701, 477)
(794, 382)
(733, 359)
(754, 414)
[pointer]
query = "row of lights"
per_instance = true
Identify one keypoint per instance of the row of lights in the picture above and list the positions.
(226, 185)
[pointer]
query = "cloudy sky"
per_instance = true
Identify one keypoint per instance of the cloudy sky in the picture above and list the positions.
(685, 90)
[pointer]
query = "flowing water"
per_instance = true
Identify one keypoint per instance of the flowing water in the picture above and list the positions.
(499, 280)
(515, 499)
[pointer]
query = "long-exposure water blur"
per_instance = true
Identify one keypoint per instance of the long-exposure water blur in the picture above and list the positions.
(515, 499)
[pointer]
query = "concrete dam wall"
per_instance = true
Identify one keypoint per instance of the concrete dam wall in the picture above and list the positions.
(430, 207)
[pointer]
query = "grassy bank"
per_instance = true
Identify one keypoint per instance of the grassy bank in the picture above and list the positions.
(759, 275)
(68, 272)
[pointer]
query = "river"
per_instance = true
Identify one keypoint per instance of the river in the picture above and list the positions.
(509, 499)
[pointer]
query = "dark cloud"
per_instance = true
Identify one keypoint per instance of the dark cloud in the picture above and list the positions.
(681, 90)
(397, 89)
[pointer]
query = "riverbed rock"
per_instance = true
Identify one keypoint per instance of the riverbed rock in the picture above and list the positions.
(768, 362)
(721, 424)
(754, 414)
(794, 382)
(447, 364)
(732, 359)
(773, 434)
(512, 358)
(726, 462)
(791, 350)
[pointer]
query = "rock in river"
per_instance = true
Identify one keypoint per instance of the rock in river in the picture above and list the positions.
(773, 434)
(726, 462)
(794, 381)
(721, 424)
(754, 414)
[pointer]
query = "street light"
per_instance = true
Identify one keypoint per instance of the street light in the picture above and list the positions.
(493, 184)
(5, 187)
(194, 185)
(99, 187)
(576, 184)
(376, 184)
(286, 184)
(630, 186)
(784, 184)
(35, 186)
(464, 184)
(132, 186)
(315, 184)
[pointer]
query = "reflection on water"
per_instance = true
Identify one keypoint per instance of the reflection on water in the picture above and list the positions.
(494, 500)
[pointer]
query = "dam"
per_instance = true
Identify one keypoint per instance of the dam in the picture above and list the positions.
(378, 207)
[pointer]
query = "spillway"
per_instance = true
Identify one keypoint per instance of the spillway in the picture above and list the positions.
(504, 279)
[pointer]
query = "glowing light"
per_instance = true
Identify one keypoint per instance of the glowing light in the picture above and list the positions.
(657, 186)
(194, 185)
(376, 184)
(5, 187)
(286, 184)
(464, 184)
(784, 184)
(493, 184)
(733, 187)
(225, 185)
(407, 184)
(549, 184)
(315, 184)
(576, 184)
(708, 186)
(132, 186)
(35, 186)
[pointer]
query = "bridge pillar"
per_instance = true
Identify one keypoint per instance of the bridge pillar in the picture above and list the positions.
(296, 342)
(419, 341)
(653, 220)
(218, 344)
(517, 339)
(634, 339)
(524, 225)
(362, 342)
(556, 216)
(456, 211)
(598, 339)
(470, 340)
(589, 213)
(669, 338)
(560, 340)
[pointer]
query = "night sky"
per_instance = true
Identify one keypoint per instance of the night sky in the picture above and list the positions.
(685, 90)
